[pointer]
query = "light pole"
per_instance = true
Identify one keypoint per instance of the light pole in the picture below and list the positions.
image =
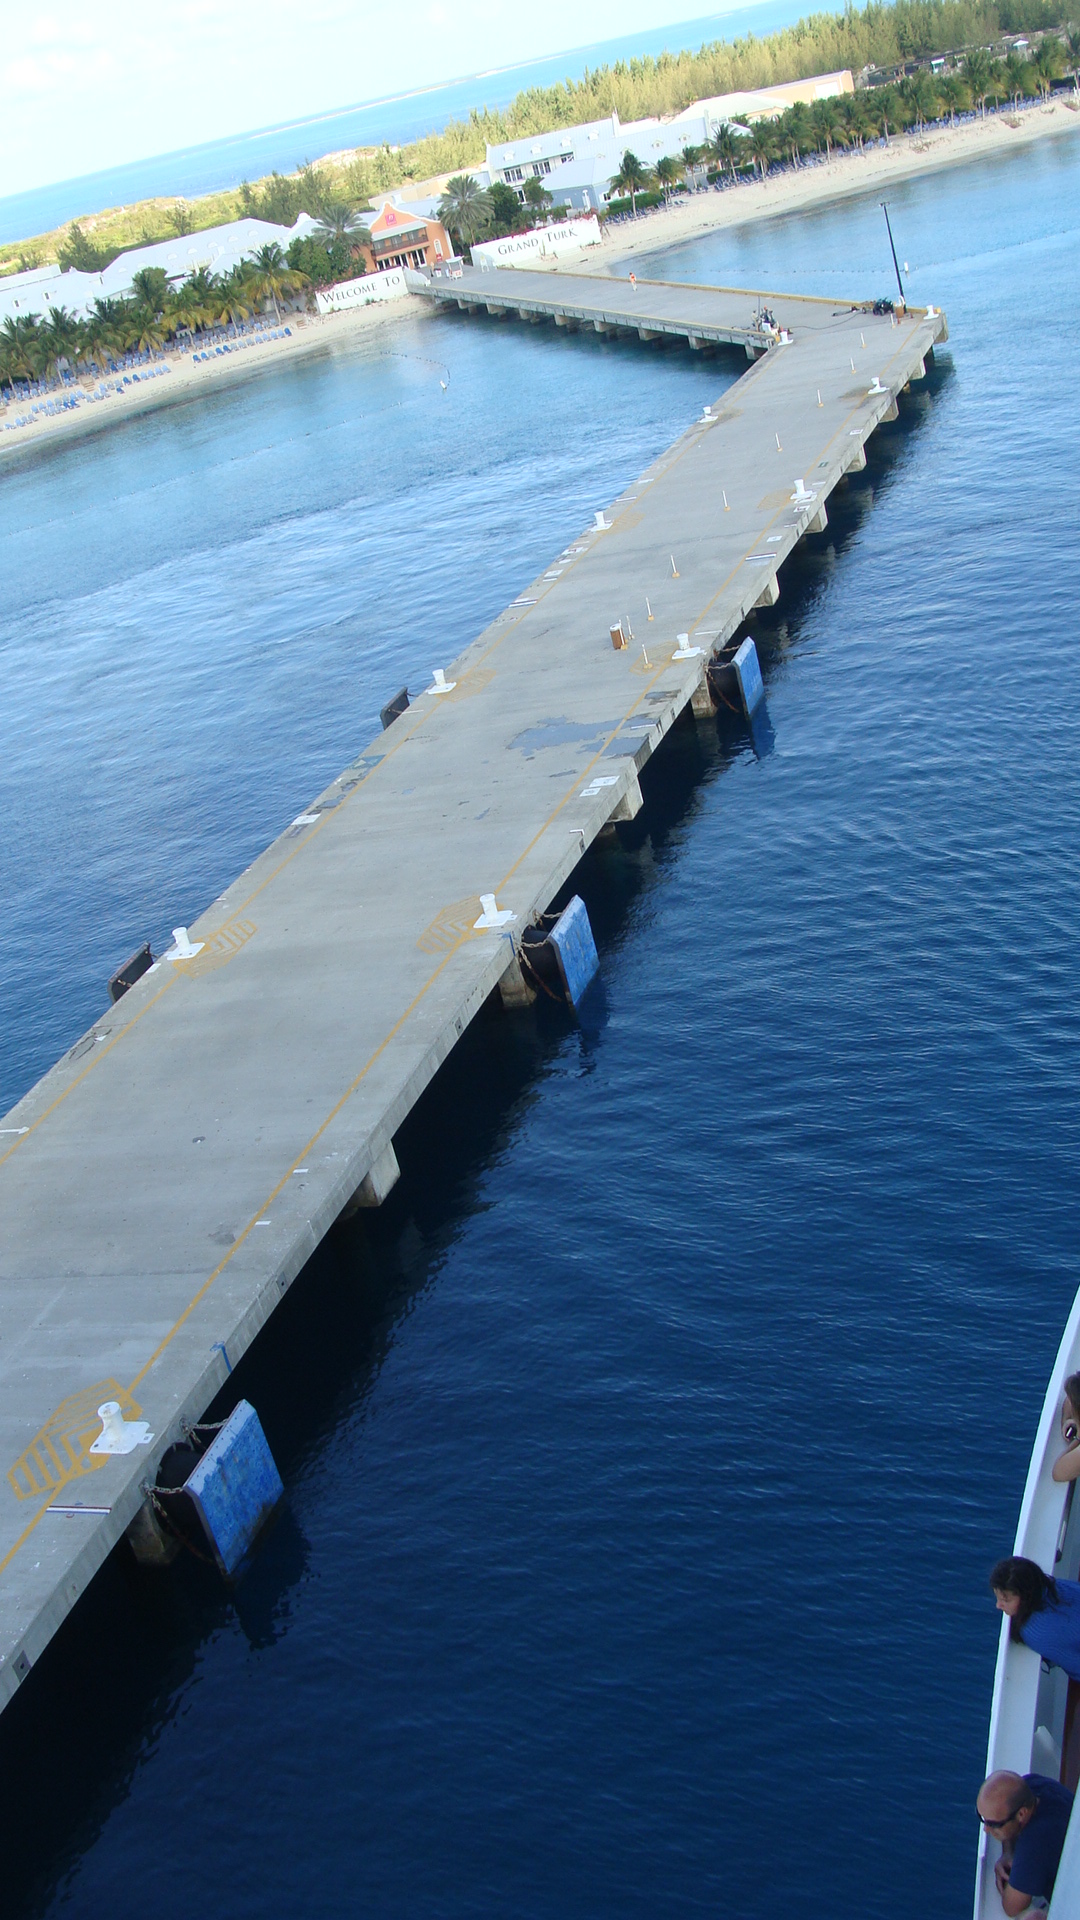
(895, 261)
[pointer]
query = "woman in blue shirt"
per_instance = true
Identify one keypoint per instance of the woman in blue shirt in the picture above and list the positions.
(1043, 1613)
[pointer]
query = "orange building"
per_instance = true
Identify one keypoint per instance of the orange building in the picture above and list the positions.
(403, 239)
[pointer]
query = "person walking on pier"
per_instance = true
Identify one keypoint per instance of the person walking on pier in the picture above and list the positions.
(1029, 1814)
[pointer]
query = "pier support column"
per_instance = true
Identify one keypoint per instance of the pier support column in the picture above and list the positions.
(647, 334)
(376, 1184)
(514, 989)
(564, 320)
(892, 411)
(819, 521)
(148, 1540)
(695, 345)
(630, 805)
(770, 592)
(702, 704)
(857, 461)
(497, 313)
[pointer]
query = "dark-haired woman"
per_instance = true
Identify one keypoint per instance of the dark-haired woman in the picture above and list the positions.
(1067, 1464)
(1043, 1613)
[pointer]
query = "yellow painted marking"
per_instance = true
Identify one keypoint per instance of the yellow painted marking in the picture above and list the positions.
(59, 1453)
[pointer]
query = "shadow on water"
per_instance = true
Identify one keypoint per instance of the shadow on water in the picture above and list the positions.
(96, 1704)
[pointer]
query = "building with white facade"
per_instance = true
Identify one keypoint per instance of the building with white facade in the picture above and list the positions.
(578, 164)
(219, 248)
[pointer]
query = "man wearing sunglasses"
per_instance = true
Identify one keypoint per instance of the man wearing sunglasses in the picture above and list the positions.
(1029, 1814)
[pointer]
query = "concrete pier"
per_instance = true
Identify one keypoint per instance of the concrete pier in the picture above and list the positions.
(163, 1185)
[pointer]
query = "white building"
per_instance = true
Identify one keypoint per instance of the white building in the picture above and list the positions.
(578, 164)
(219, 248)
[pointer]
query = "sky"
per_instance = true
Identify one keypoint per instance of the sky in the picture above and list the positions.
(85, 88)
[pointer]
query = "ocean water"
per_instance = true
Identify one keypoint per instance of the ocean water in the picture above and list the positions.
(646, 1454)
(399, 118)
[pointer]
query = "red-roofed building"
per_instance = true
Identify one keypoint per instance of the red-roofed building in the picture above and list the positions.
(400, 238)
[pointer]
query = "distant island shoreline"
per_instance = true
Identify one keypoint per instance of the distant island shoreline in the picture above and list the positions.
(845, 175)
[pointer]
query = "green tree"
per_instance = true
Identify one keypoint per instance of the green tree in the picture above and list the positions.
(64, 337)
(341, 220)
(1072, 49)
(180, 218)
(828, 126)
(725, 148)
(669, 172)
(1016, 76)
(507, 213)
(760, 142)
(78, 250)
(978, 71)
(465, 209)
(271, 278)
(1048, 62)
(150, 287)
(632, 178)
(537, 197)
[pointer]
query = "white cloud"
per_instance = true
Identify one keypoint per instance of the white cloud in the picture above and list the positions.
(90, 88)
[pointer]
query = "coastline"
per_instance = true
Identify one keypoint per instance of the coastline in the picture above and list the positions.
(846, 174)
(188, 379)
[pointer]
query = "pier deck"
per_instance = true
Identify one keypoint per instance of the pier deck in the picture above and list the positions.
(164, 1184)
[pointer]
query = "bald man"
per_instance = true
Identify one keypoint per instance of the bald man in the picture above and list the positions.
(1029, 1814)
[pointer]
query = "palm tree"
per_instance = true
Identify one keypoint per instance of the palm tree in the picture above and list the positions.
(64, 336)
(1016, 77)
(725, 148)
(270, 277)
(955, 95)
(761, 145)
(978, 70)
(1047, 63)
(465, 209)
(18, 339)
(341, 222)
(632, 178)
(150, 287)
(537, 197)
(1072, 47)
(669, 172)
(106, 331)
(793, 131)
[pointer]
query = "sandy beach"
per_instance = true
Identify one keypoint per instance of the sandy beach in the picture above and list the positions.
(188, 379)
(845, 174)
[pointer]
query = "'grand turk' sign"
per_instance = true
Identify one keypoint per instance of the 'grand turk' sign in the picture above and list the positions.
(544, 243)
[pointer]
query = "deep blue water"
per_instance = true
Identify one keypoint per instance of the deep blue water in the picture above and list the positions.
(646, 1455)
(220, 164)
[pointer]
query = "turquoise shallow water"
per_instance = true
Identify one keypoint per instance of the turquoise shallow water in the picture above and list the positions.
(646, 1457)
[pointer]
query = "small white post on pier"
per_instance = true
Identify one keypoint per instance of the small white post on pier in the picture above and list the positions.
(117, 1434)
(723, 497)
(184, 948)
(684, 651)
(492, 916)
(648, 608)
(674, 568)
(877, 387)
(802, 497)
(442, 684)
